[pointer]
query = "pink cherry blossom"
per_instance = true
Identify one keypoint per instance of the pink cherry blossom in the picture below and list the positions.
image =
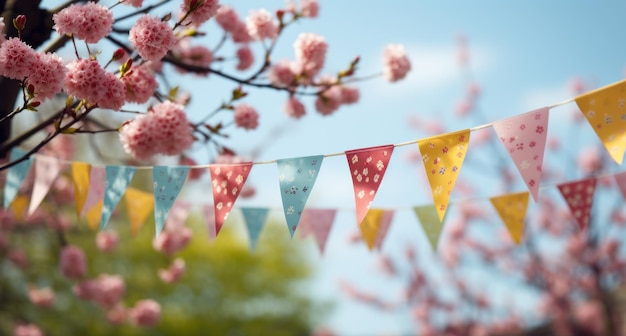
(86, 290)
(145, 313)
(42, 297)
(174, 131)
(90, 21)
(72, 263)
(396, 64)
(17, 59)
(246, 117)
(173, 273)
(590, 160)
(247, 191)
(590, 315)
(117, 314)
(109, 290)
(310, 54)
(294, 108)
(134, 3)
(27, 330)
(463, 107)
(47, 75)
(171, 241)
(18, 258)
(261, 25)
(194, 174)
(199, 56)
(329, 101)
(85, 79)
(114, 95)
(227, 18)
(203, 11)
(240, 34)
(7, 219)
(151, 37)
(310, 8)
(140, 84)
(139, 136)
(3, 36)
(106, 241)
(245, 57)
(349, 95)
(281, 74)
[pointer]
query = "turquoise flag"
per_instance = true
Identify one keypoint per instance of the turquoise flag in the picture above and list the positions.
(168, 181)
(255, 220)
(117, 180)
(15, 176)
(296, 177)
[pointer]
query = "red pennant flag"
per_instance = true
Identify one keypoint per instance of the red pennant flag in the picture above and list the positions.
(209, 214)
(367, 168)
(227, 181)
(620, 179)
(317, 222)
(579, 198)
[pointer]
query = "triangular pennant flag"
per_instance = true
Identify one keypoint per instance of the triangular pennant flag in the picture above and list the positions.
(117, 180)
(80, 177)
(317, 222)
(46, 171)
(524, 137)
(605, 110)
(15, 176)
(579, 198)
(93, 215)
(432, 225)
(620, 180)
(97, 179)
(255, 220)
(19, 206)
(367, 168)
(227, 181)
(512, 210)
(443, 157)
(296, 178)
(209, 215)
(374, 227)
(168, 181)
(139, 205)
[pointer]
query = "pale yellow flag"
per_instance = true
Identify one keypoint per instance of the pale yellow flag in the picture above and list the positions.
(605, 110)
(19, 206)
(94, 215)
(443, 157)
(139, 205)
(512, 210)
(80, 176)
(370, 226)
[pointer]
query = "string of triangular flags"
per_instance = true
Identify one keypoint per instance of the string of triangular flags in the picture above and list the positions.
(99, 189)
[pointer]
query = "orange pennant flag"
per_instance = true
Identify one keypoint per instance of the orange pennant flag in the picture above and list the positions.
(139, 205)
(512, 210)
(374, 227)
(605, 110)
(93, 215)
(80, 177)
(443, 157)
(19, 206)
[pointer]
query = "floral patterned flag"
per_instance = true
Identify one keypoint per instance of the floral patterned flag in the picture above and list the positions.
(374, 227)
(443, 157)
(512, 211)
(579, 198)
(117, 180)
(47, 170)
(80, 178)
(317, 222)
(524, 137)
(367, 168)
(15, 176)
(97, 177)
(255, 220)
(139, 205)
(227, 181)
(168, 181)
(605, 110)
(428, 217)
(620, 179)
(296, 178)
(209, 214)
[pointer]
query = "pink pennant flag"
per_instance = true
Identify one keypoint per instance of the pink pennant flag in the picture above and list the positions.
(620, 179)
(317, 222)
(227, 181)
(367, 168)
(579, 198)
(46, 171)
(524, 137)
(97, 180)
(209, 214)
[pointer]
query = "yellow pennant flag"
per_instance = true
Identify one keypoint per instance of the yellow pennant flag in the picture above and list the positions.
(139, 205)
(80, 176)
(94, 215)
(19, 206)
(605, 110)
(512, 210)
(370, 226)
(443, 157)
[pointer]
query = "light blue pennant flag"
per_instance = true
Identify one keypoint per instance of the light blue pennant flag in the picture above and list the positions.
(296, 177)
(255, 220)
(168, 181)
(15, 176)
(117, 180)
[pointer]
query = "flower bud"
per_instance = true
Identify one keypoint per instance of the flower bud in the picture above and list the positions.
(19, 22)
(118, 54)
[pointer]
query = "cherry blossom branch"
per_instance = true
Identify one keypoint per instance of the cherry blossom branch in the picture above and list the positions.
(142, 11)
